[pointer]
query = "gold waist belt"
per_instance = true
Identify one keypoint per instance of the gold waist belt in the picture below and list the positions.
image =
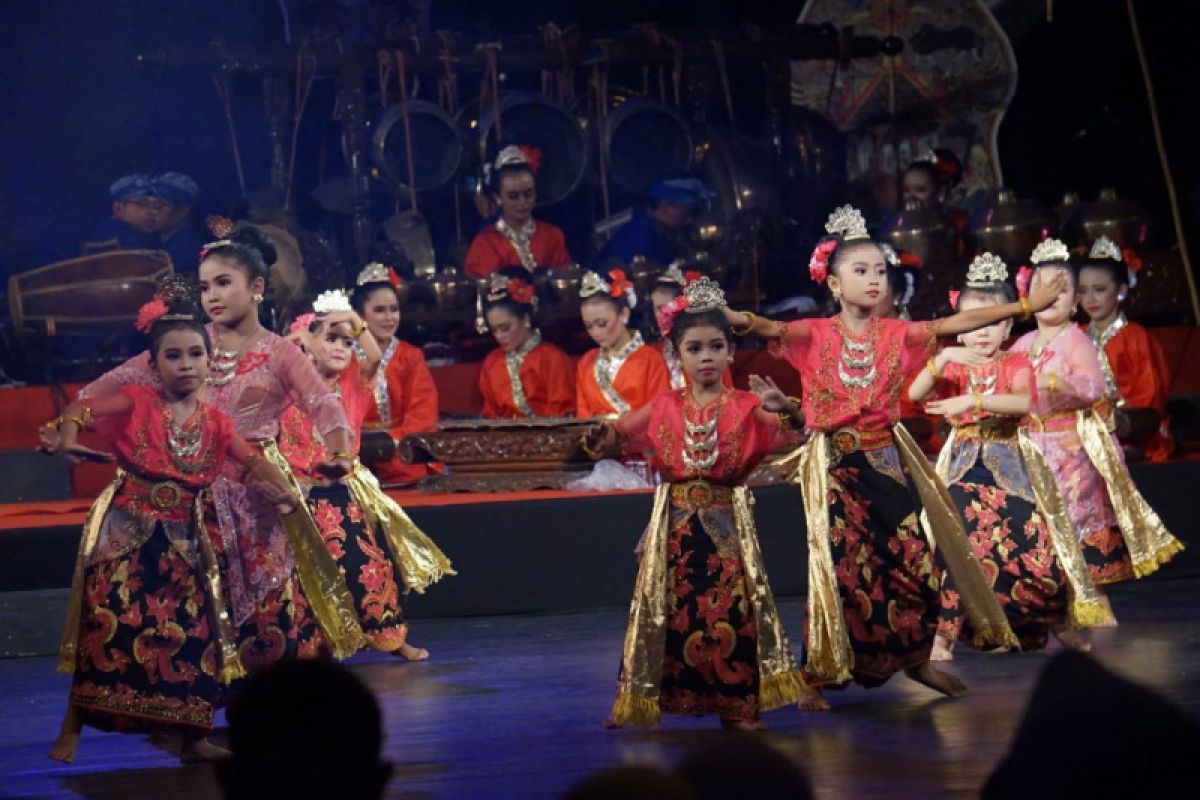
(701, 494)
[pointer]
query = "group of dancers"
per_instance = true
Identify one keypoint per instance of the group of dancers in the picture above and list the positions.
(241, 529)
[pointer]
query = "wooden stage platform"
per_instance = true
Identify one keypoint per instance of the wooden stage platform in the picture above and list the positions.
(510, 707)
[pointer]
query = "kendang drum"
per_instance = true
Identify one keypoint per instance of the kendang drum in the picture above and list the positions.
(86, 295)
(534, 121)
(437, 147)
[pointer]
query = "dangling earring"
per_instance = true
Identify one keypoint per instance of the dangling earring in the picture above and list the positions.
(837, 294)
(258, 298)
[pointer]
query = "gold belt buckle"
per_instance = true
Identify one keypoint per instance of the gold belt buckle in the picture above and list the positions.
(166, 496)
(700, 494)
(846, 440)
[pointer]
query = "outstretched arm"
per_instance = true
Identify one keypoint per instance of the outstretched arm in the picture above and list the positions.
(966, 321)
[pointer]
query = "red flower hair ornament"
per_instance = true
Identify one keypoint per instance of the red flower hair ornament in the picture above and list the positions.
(668, 313)
(149, 314)
(818, 265)
(519, 290)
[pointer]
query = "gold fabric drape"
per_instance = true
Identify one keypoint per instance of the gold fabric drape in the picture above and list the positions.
(945, 529)
(1150, 543)
(230, 666)
(637, 701)
(828, 657)
(322, 582)
(421, 562)
(68, 650)
(1087, 607)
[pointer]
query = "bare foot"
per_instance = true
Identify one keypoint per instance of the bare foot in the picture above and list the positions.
(813, 702)
(201, 751)
(1112, 618)
(1073, 639)
(939, 681)
(410, 653)
(742, 724)
(67, 743)
(943, 649)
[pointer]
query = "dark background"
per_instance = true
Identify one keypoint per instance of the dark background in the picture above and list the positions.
(78, 111)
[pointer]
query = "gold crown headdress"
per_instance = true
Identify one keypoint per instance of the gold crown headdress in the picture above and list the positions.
(510, 156)
(673, 274)
(593, 284)
(1105, 247)
(330, 301)
(703, 294)
(986, 270)
(1049, 251)
(848, 223)
(372, 273)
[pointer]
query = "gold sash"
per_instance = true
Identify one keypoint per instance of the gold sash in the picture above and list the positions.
(828, 657)
(230, 667)
(322, 582)
(1150, 543)
(1087, 607)
(421, 562)
(944, 526)
(637, 700)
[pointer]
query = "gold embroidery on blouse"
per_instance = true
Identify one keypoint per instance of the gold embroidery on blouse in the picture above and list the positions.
(513, 362)
(606, 368)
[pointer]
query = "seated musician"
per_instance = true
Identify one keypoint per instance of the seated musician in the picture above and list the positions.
(134, 222)
(516, 239)
(177, 229)
(622, 374)
(524, 376)
(658, 234)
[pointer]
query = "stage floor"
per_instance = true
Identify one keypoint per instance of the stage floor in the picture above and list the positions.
(511, 707)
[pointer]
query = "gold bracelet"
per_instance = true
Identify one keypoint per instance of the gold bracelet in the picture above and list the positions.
(1052, 383)
(1026, 309)
(748, 327)
(359, 331)
(337, 455)
(978, 403)
(931, 366)
(53, 424)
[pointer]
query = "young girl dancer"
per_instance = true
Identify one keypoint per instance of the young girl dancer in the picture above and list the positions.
(873, 582)
(378, 549)
(278, 576)
(1000, 483)
(147, 638)
(704, 636)
(622, 374)
(1120, 535)
(1135, 369)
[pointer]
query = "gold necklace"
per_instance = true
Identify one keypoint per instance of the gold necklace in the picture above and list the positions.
(224, 363)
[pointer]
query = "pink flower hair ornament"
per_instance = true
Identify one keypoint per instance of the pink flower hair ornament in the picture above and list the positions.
(301, 323)
(670, 312)
(1024, 276)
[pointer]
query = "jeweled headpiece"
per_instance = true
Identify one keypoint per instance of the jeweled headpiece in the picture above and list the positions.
(331, 301)
(848, 223)
(1105, 247)
(617, 286)
(375, 272)
(889, 254)
(1049, 251)
(699, 296)
(986, 270)
(673, 274)
(503, 287)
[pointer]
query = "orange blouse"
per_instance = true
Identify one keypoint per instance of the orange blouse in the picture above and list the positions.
(405, 401)
(546, 379)
(633, 379)
(1139, 370)
(491, 250)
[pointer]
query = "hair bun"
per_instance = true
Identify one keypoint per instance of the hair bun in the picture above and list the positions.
(179, 293)
(249, 236)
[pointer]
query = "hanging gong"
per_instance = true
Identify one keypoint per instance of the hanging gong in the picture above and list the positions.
(437, 148)
(645, 142)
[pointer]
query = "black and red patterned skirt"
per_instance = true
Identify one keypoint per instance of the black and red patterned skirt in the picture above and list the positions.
(147, 656)
(886, 573)
(1009, 538)
(365, 563)
(710, 663)
(1107, 556)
